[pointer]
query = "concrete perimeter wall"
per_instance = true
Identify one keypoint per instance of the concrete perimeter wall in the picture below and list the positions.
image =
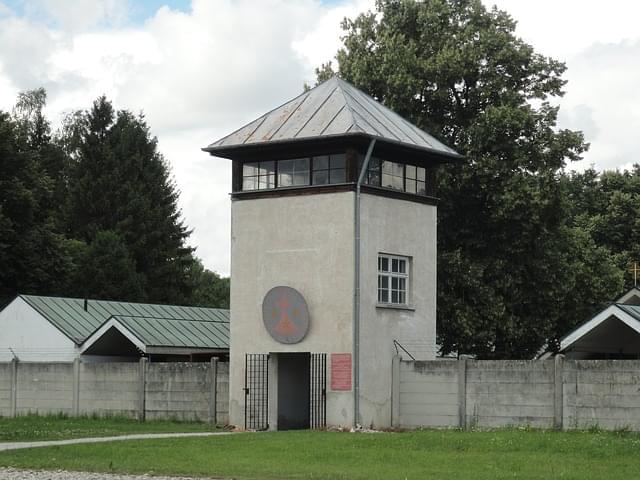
(183, 391)
(553, 393)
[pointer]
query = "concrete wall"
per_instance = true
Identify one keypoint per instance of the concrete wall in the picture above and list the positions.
(509, 392)
(31, 337)
(185, 391)
(397, 227)
(605, 393)
(550, 393)
(109, 389)
(305, 242)
(6, 389)
(44, 388)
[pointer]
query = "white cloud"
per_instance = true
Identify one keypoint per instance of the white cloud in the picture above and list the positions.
(79, 14)
(564, 28)
(600, 43)
(197, 76)
(201, 74)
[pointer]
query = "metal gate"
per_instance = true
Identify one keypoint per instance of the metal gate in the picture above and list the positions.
(256, 391)
(318, 391)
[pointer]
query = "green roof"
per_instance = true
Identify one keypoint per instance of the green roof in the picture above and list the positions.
(171, 332)
(174, 325)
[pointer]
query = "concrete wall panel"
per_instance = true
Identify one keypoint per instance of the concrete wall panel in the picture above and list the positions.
(44, 388)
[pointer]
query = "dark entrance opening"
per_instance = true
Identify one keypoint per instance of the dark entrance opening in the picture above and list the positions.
(294, 391)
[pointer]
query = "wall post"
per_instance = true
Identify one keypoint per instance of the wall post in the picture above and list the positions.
(142, 378)
(558, 400)
(213, 397)
(395, 390)
(462, 392)
(75, 407)
(14, 387)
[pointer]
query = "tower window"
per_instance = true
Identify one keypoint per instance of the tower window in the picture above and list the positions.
(329, 169)
(293, 172)
(393, 279)
(258, 175)
(398, 176)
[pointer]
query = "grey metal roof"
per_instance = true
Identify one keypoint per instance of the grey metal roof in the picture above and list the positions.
(333, 108)
(171, 332)
(69, 316)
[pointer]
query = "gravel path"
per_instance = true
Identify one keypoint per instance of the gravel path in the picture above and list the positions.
(140, 436)
(13, 474)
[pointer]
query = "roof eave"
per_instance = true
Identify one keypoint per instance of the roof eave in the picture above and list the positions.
(229, 151)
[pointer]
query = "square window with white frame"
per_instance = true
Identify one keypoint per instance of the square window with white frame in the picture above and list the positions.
(393, 279)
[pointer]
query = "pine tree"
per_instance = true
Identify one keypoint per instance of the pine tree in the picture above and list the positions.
(121, 183)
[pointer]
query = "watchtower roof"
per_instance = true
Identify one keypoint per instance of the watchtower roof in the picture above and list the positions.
(333, 109)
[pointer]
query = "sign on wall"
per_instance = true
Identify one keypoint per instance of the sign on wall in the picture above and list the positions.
(340, 371)
(285, 315)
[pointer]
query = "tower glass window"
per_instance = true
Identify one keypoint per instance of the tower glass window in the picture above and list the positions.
(258, 175)
(329, 169)
(293, 172)
(393, 279)
(397, 176)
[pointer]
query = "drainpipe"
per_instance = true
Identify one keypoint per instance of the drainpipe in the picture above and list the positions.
(356, 290)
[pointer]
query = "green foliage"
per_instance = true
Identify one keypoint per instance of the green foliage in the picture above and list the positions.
(107, 270)
(121, 183)
(92, 211)
(514, 272)
(607, 207)
(210, 289)
(31, 247)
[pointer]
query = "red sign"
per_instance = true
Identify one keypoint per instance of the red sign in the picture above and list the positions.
(340, 371)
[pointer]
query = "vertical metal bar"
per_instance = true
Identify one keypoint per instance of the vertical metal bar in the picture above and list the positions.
(312, 381)
(313, 390)
(246, 386)
(324, 392)
(266, 400)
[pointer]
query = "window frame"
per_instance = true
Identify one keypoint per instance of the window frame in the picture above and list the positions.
(331, 171)
(376, 174)
(390, 275)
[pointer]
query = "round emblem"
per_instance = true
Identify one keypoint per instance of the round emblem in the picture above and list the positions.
(285, 314)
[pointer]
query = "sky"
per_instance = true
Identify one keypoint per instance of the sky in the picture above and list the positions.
(199, 69)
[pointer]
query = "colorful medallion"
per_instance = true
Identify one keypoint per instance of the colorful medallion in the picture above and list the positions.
(285, 315)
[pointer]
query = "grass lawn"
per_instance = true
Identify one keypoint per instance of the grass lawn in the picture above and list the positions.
(327, 455)
(34, 428)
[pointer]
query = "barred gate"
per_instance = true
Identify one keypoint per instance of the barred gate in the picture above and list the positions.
(256, 391)
(318, 391)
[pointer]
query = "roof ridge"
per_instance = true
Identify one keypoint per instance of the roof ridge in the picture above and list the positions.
(347, 103)
(60, 297)
(118, 315)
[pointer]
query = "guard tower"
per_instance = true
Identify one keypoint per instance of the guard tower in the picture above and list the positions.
(333, 258)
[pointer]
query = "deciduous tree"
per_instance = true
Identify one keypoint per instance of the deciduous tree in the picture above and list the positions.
(511, 269)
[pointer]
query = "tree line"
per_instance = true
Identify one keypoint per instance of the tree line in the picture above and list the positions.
(526, 248)
(91, 211)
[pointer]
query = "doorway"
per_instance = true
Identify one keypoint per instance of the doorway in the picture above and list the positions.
(294, 391)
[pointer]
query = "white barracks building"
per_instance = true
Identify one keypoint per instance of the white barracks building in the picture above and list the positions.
(333, 258)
